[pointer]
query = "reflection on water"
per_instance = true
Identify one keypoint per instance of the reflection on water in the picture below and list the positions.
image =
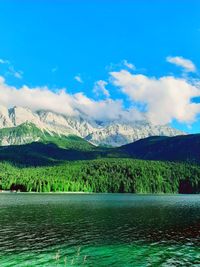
(99, 230)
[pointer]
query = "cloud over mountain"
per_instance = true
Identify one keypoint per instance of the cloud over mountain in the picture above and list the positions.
(65, 103)
(100, 88)
(166, 98)
(162, 99)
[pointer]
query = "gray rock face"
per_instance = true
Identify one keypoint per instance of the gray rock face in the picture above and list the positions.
(113, 134)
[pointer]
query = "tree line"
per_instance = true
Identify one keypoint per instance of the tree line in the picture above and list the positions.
(103, 175)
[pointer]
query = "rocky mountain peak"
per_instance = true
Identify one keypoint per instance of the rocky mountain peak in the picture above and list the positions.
(115, 133)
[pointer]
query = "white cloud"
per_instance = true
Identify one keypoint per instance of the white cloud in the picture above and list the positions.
(186, 64)
(78, 78)
(121, 64)
(18, 74)
(105, 110)
(166, 98)
(34, 98)
(13, 72)
(128, 65)
(100, 88)
(62, 102)
(162, 99)
(4, 61)
(54, 69)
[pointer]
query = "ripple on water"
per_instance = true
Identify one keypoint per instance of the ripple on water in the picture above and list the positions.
(99, 230)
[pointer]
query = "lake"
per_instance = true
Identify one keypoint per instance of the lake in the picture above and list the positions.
(99, 230)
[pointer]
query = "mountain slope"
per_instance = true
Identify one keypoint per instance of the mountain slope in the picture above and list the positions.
(113, 134)
(49, 153)
(178, 148)
(118, 134)
(22, 134)
(39, 154)
(27, 133)
(53, 149)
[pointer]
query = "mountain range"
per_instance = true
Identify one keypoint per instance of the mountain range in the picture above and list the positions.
(43, 151)
(183, 148)
(19, 125)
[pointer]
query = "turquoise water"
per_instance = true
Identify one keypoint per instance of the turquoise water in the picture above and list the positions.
(99, 230)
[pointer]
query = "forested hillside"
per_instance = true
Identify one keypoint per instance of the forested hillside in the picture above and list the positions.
(59, 164)
(177, 148)
(50, 153)
(104, 175)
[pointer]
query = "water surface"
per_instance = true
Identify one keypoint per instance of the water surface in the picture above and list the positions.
(99, 230)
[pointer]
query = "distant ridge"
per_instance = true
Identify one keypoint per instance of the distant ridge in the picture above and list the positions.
(178, 148)
(183, 148)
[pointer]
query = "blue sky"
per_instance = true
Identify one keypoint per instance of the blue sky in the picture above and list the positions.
(75, 44)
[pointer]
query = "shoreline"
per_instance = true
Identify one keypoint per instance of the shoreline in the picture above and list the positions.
(91, 193)
(64, 192)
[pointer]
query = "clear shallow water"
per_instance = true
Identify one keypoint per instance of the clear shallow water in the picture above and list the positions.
(99, 230)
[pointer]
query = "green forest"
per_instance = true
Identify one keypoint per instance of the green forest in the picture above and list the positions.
(103, 175)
